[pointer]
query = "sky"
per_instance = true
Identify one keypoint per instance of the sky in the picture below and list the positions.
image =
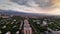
(50, 7)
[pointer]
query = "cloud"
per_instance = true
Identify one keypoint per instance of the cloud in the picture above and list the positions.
(34, 3)
(30, 6)
(28, 3)
(25, 3)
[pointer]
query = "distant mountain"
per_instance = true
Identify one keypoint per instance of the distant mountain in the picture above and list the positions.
(8, 12)
(12, 12)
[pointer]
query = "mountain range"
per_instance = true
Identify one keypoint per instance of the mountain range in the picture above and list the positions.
(12, 12)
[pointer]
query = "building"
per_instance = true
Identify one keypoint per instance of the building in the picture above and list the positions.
(27, 28)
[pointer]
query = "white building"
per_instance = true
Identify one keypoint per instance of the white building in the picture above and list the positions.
(27, 28)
